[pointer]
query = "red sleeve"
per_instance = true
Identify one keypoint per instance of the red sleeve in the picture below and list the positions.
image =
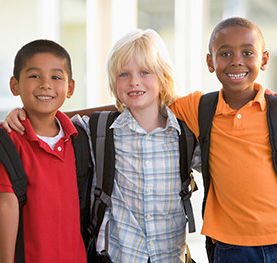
(5, 184)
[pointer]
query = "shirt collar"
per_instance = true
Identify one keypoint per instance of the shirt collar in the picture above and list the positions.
(224, 108)
(260, 96)
(127, 119)
(68, 128)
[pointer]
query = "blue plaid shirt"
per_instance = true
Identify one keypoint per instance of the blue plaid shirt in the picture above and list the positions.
(147, 218)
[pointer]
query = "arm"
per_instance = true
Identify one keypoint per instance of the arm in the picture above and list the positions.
(9, 218)
(89, 111)
(12, 119)
(196, 159)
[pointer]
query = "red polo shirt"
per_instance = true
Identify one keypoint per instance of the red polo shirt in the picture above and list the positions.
(51, 214)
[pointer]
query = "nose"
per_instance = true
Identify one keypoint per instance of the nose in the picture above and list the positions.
(135, 81)
(237, 60)
(45, 84)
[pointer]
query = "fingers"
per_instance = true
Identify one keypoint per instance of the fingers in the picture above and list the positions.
(21, 114)
(269, 92)
(12, 121)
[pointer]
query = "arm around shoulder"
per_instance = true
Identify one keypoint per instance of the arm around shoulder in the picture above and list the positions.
(186, 109)
(89, 111)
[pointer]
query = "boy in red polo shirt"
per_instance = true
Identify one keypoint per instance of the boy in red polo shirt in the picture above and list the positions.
(43, 79)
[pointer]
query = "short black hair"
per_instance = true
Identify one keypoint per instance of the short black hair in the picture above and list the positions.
(40, 46)
(235, 21)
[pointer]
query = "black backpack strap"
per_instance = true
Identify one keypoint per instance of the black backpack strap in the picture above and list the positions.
(9, 157)
(84, 174)
(187, 144)
(82, 158)
(104, 152)
(272, 125)
(206, 111)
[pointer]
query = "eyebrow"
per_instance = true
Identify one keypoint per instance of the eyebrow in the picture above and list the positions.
(54, 69)
(229, 46)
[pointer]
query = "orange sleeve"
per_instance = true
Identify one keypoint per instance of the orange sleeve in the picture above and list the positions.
(186, 109)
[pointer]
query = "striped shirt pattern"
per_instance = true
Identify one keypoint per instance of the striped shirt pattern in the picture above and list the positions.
(147, 218)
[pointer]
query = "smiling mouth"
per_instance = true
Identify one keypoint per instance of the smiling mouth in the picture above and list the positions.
(237, 76)
(44, 97)
(136, 93)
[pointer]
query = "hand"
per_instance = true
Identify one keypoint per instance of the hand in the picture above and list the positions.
(12, 121)
(269, 92)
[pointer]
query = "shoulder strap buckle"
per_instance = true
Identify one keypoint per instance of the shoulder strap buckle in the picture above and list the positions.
(188, 187)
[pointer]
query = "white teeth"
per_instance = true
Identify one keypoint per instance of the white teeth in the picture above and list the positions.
(44, 97)
(136, 93)
(237, 76)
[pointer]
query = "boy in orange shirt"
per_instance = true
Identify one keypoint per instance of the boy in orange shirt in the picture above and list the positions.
(242, 197)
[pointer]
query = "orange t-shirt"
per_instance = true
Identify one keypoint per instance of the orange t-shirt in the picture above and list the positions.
(241, 206)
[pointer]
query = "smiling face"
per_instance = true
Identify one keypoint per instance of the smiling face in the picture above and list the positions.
(137, 87)
(43, 84)
(237, 56)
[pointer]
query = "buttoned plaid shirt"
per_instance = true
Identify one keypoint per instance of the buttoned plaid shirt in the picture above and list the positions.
(146, 219)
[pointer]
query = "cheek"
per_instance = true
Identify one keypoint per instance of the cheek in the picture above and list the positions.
(119, 91)
(121, 85)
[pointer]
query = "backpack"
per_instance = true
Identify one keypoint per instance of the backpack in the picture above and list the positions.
(10, 159)
(104, 152)
(206, 110)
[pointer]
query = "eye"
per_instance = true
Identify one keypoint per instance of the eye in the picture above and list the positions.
(122, 75)
(247, 53)
(34, 76)
(145, 72)
(56, 77)
(226, 54)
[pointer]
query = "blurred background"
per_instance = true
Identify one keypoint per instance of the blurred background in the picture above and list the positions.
(88, 28)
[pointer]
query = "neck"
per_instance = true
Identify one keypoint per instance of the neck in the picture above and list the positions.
(44, 125)
(237, 100)
(149, 120)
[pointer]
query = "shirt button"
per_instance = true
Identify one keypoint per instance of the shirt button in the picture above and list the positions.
(147, 163)
(148, 190)
(59, 148)
(149, 217)
(239, 116)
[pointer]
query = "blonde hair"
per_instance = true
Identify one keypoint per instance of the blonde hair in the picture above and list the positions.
(149, 50)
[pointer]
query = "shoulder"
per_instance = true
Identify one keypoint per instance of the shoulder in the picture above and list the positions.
(13, 138)
(189, 101)
(191, 97)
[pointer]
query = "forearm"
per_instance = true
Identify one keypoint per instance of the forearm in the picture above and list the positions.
(9, 218)
(89, 111)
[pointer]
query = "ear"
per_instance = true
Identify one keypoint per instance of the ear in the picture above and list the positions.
(14, 86)
(161, 88)
(209, 61)
(71, 88)
(265, 59)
